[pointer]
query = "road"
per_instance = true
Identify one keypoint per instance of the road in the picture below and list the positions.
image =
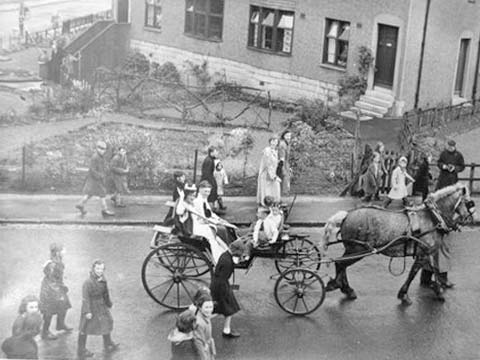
(374, 326)
(41, 12)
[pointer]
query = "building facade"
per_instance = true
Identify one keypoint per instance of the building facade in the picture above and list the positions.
(301, 48)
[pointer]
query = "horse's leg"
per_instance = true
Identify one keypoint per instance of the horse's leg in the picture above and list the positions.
(335, 283)
(436, 285)
(403, 292)
(345, 286)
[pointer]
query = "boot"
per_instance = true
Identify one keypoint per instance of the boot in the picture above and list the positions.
(81, 208)
(107, 212)
(61, 322)
(108, 344)
(444, 283)
(82, 351)
(426, 278)
(46, 334)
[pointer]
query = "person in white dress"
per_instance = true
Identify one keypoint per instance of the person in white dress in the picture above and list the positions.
(399, 186)
(268, 180)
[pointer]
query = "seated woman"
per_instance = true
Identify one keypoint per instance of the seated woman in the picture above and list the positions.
(190, 223)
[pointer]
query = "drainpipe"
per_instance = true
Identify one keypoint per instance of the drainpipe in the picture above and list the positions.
(422, 52)
(477, 68)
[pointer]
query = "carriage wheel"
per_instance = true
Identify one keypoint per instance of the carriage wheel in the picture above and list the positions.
(299, 291)
(297, 253)
(172, 273)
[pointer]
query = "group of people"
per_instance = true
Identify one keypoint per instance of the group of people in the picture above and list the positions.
(35, 313)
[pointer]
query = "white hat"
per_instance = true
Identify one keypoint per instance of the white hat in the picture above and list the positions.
(403, 159)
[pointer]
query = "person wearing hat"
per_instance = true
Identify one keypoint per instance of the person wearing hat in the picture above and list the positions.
(95, 183)
(53, 293)
(208, 170)
(222, 293)
(181, 337)
(179, 179)
(450, 163)
(399, 186)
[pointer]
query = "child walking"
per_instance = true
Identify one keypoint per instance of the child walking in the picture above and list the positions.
(221, 179)
(399, 186)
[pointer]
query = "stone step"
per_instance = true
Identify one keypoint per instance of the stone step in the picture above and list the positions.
(376, 101)
(371, 107)
(352, 115)
(368, 112)
(380, 95)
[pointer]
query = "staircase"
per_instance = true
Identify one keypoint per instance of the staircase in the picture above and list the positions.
(375, 103)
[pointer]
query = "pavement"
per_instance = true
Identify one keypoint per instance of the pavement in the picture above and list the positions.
(307, 211)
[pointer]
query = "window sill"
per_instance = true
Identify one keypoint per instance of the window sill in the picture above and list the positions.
(269, 51)
(333, 67)
(202, 38)
(152, 29)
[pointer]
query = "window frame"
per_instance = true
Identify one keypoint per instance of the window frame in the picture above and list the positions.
(256, 30)
(338, 42)
(190, 23)
(151, 4)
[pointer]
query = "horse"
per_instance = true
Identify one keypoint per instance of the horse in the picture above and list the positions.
(417, 232)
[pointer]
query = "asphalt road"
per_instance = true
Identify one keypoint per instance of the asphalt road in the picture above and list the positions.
(374, 326)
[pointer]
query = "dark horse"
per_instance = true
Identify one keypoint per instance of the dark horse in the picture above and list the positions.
(417, 232)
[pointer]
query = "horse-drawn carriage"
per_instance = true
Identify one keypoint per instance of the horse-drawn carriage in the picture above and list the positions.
(177, 265)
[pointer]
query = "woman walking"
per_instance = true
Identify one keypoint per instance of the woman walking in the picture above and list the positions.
(268, 180)
(96, 318)
(53, 293)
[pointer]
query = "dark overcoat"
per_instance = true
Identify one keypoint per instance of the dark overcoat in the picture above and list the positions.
(95, 183)
(22, 345)
(53, 292)
(446, 177)
(96, 301)
(208, 167)
(119, 171)
(222, 292)
(372, 179)
(422, 179)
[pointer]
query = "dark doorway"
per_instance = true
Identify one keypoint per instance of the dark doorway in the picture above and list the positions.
(122, 11)
(462, 64)
(386, 53)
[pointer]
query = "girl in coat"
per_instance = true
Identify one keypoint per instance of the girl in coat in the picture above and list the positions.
(119, 168)
(221, 179)
(399, 186)
(22, 344)
(53, 293)
(222, 293)
(268, 180)
(372, 178)
(202, 335)
(96, 318)
(181, 338)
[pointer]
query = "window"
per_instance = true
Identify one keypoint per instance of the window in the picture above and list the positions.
(204, 18)
(153, 13)
(271, 29)
(335, 50)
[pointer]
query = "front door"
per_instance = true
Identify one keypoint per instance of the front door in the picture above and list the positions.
(462, 62)
(386, 53)
(122, 11)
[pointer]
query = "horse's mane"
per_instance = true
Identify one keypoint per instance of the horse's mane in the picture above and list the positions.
(447, 191)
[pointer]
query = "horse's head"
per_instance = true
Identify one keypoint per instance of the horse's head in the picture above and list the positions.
(454, 204)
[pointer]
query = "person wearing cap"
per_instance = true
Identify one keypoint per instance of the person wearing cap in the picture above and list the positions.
(95, 183)
(208, 169)
(181, 337)
(222, 293)
(450, 163)
(399, 186)
(179, 179)
(53, 293)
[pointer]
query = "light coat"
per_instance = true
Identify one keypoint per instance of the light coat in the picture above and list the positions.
(268, 184)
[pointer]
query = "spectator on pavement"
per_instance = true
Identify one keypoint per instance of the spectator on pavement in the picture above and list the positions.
(380, 148)
(95, 183)
(284, 170)
(208, 168)
(399, 186)
(203, 340)
(181, 338)
(423, 177)
(268, 180)
(53, 293)
(27, 325)
(95, 317)
(221, 179)
(119, 168)
(372, 178)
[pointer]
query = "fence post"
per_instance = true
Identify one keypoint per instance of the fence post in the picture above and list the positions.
(195, 160)
(269, 97)
(23, 165)
(470, 182)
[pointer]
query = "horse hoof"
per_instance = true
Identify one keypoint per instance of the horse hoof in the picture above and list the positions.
(440, 298)
(351, 295)
(406, 301)
(331, 285)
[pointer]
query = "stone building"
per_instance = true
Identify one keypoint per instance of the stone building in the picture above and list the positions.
(426, 51)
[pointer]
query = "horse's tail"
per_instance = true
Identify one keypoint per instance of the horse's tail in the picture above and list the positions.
(334, 222)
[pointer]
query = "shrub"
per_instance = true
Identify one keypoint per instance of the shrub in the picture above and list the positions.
(311, 112)
(166, 72)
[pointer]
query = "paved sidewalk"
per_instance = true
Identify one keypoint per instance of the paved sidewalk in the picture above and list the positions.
(148, 210)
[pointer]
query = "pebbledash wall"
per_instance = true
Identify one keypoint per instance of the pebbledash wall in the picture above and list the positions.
(302, 73)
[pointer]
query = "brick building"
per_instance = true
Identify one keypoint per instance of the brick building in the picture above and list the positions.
(426, 51)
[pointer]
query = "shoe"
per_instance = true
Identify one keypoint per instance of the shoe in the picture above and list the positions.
(111, 347)
(231, 335)
(81, 208)
(108, 213)
(64, 328)
(447, 284)
(85, 354)
(120, 205)
(49, 336)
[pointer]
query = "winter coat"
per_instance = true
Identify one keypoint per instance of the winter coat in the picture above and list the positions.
(399, 185)
(284, 165)
(446, 177)
(208, 167)
(422, 179)
(202, 337)
(96, 301)
(183, 346)
(222, 293)
(268, 185)
(22, 345)
(95, 183)
(372, 179)
(53, 292)
(119, 171)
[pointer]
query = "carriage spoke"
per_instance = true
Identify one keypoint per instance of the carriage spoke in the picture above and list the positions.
(188, 292)
(178, 295)
(296, 303)
(159, 285)
(167, 292)
(305, 304)
(290, 298)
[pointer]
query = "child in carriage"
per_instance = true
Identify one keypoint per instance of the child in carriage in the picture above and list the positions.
(269, 224)
(179, 178)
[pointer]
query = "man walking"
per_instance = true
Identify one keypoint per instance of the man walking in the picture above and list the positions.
(95, 184)
(208, 169)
